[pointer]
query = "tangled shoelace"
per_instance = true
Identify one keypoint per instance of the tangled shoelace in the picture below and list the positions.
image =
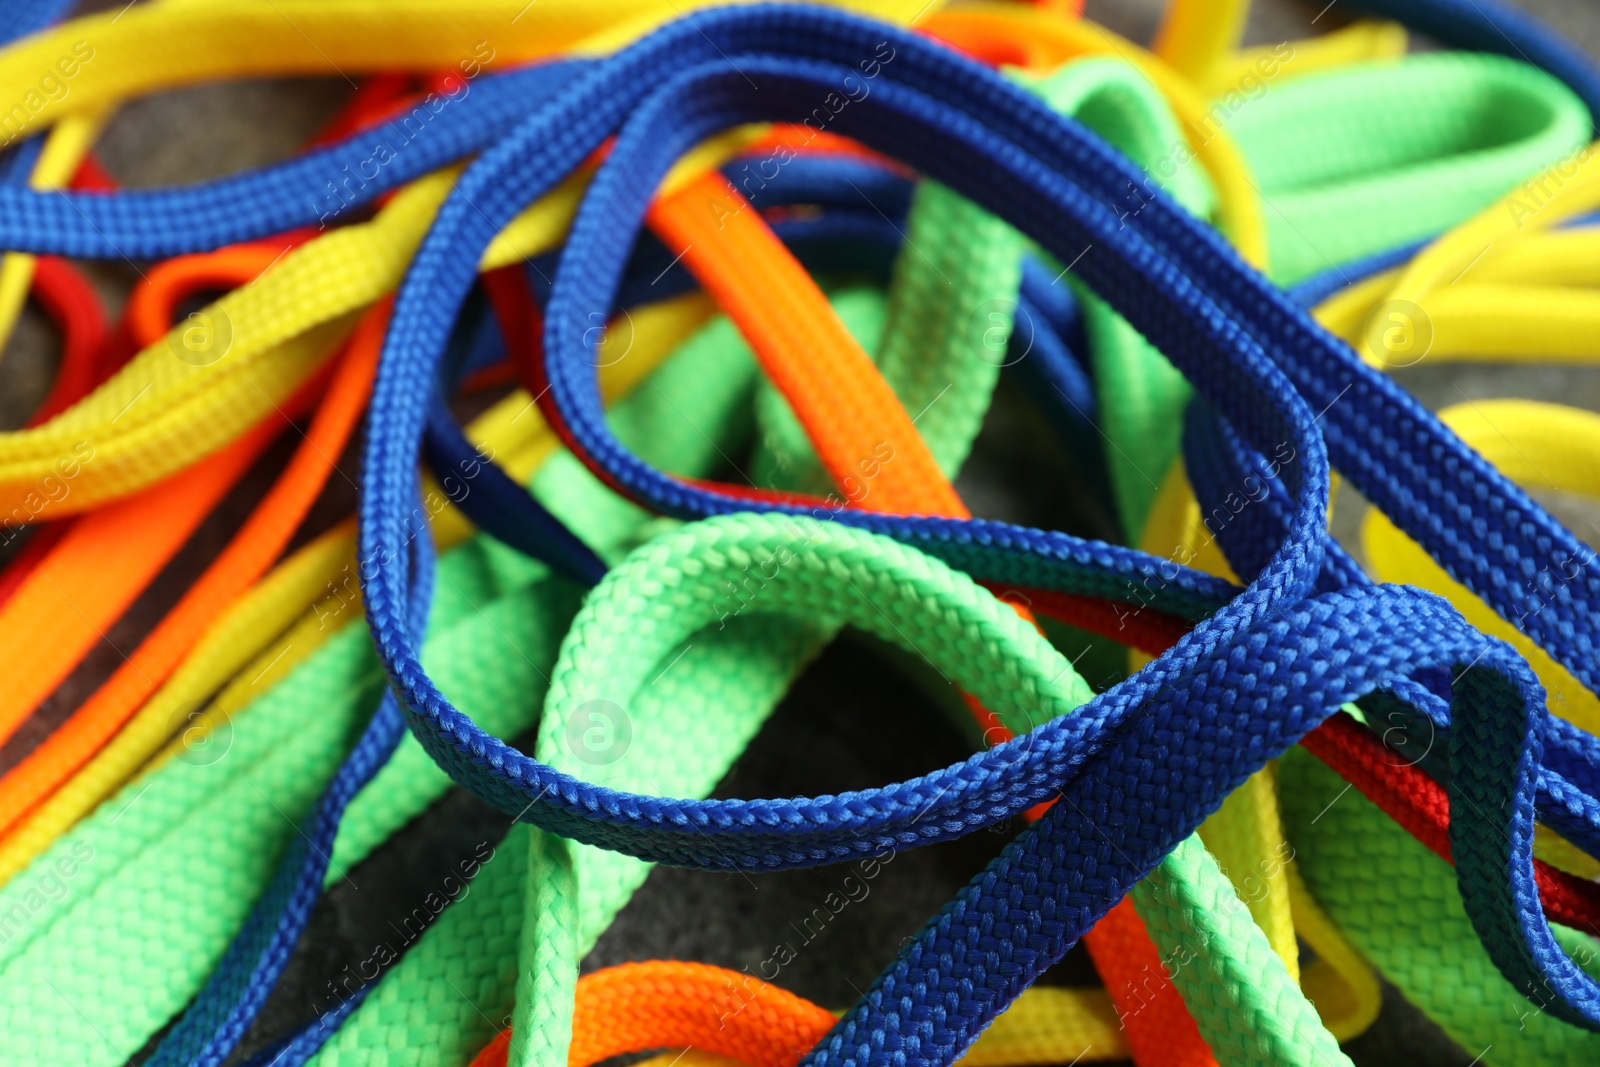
(1149, 343)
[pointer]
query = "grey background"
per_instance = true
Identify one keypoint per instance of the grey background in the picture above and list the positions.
(861, 716)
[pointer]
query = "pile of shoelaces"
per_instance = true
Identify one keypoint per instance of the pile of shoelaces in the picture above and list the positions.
(732, 288)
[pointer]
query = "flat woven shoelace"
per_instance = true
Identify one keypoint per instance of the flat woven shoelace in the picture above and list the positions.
(722, 1012)
(1258, 445)
(1385, 544)
(1141, 391)
(1521, 439)
(1250, 130)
